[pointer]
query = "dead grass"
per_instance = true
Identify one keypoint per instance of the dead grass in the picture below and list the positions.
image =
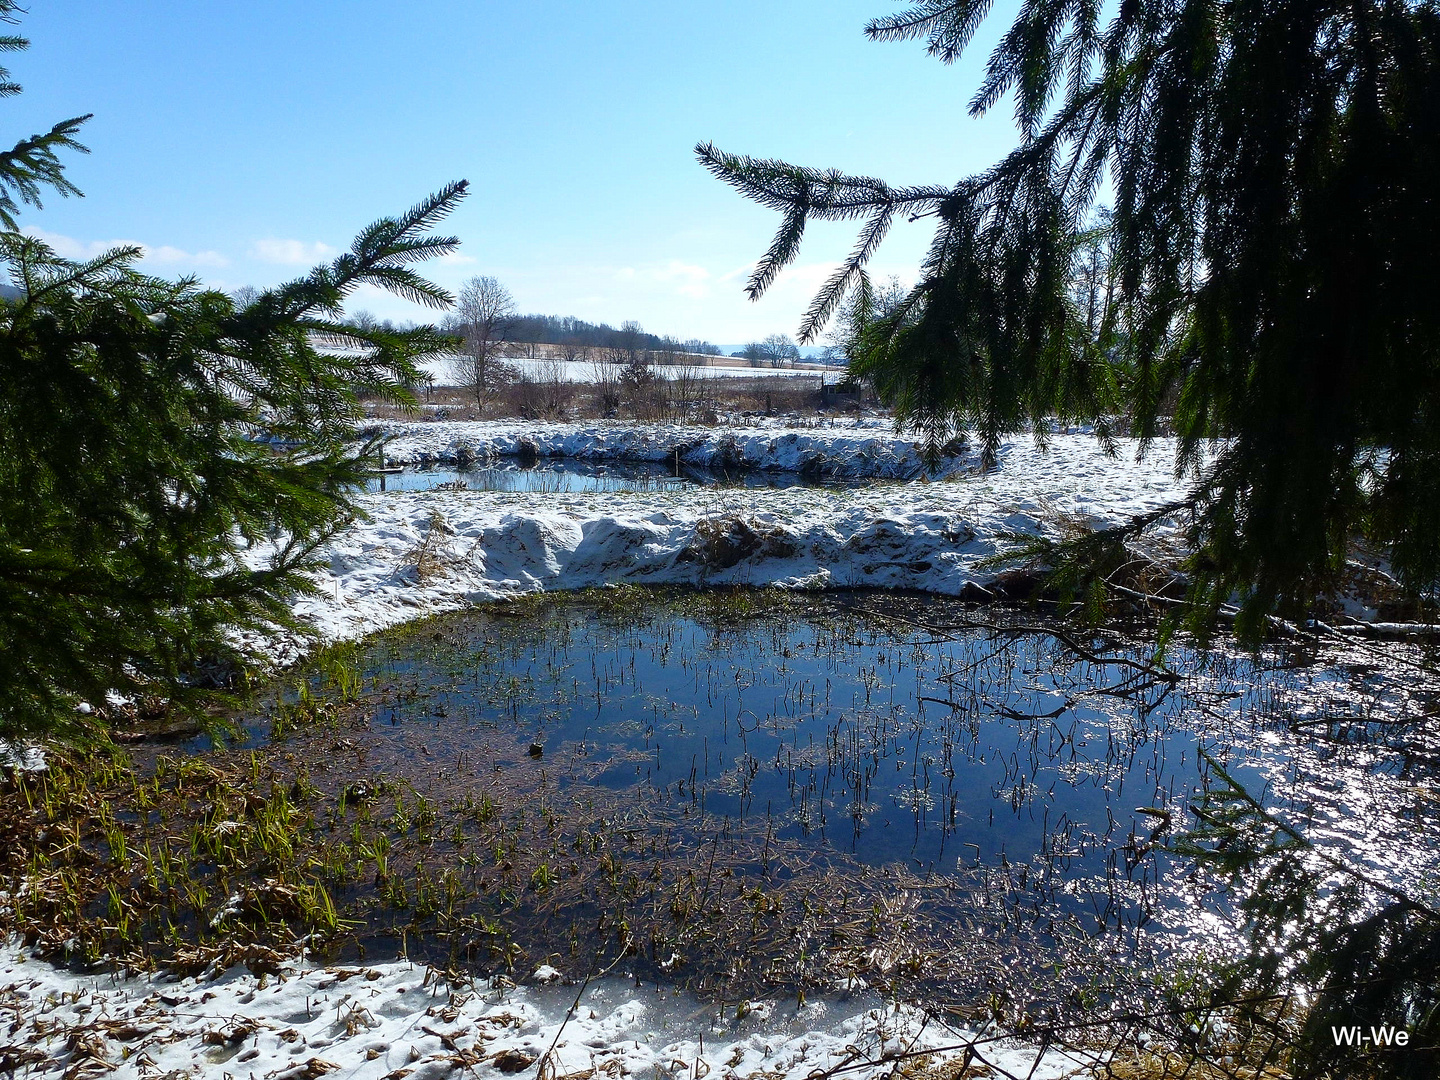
(1175, 1066)
(432, 556)
(724, 540)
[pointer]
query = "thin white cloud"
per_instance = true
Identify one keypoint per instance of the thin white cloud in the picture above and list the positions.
(291, 252)
(681, 278)
(67, 247)
(687, 279)
(165, 255)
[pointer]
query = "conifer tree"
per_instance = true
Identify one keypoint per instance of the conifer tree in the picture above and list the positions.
(1268, 268)
(31, 164)
(171, 459)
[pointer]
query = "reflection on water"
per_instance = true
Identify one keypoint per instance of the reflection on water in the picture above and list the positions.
(565, 476)
(838, 729)
(569, 474)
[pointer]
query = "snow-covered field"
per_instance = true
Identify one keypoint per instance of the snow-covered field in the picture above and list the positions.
(589, 371)
(398, 1022)
(424, 552)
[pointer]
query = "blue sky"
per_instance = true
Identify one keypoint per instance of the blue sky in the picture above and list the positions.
(243, 141)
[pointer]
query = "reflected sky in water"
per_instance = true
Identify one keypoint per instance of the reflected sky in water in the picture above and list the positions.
(843, 724)
(570, 475)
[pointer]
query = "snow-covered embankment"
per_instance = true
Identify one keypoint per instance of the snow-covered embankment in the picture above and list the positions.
(851, 450)
(424, 552)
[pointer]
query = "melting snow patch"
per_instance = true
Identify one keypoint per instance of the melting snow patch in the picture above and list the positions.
(21, 757)
(399, 1021)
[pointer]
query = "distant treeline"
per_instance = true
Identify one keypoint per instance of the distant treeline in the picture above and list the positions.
(566, 330)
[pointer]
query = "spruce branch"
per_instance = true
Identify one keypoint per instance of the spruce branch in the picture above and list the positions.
(32, 164)
(127, 533)
(950, 26)
(833, 292)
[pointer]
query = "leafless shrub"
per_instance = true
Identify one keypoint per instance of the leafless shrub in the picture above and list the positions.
(432, 556)
(722, 541)
(541, 394)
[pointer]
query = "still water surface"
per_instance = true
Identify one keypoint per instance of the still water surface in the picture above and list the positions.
(569, 475)
(852, 724)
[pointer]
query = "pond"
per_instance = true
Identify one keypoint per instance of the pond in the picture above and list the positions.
(997, 789)
(756, 795)
(573, 475)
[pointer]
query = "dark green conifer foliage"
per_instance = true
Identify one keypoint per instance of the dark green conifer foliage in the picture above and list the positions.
(170, 461)
(1269, 270)
(31, 164)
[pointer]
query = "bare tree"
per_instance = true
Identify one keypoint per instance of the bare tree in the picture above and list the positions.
(687, 387)
(775, 350)
(644, 390)
(541, 391)
(700, 351)
(615, 352)
(555, 389)
(668, 351)
(631, 338)
(880, 300)
(484, 312)
(625, 346)
(606, 377)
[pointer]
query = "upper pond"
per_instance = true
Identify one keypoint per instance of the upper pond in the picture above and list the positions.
(569, 474)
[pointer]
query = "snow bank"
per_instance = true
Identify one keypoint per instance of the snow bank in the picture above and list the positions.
(396, 1020)
(854, 450)
(425, 552)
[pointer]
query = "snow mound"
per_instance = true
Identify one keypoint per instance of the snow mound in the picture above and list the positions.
(432, 551)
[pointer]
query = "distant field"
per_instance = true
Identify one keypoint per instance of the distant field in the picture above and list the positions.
(587, 371)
